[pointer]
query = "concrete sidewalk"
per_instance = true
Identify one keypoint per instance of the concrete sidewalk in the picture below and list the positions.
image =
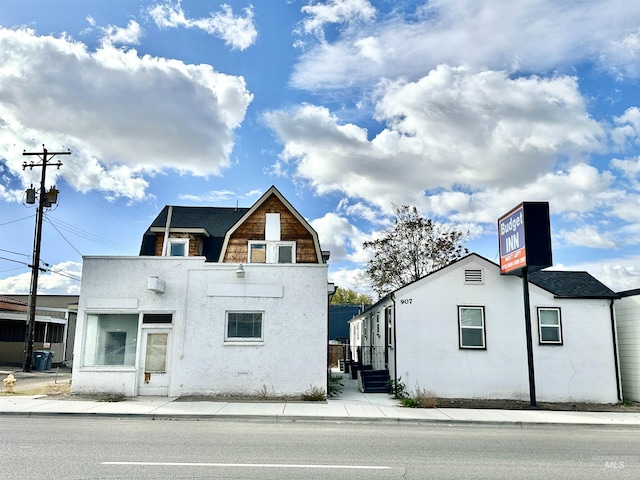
(350, 405)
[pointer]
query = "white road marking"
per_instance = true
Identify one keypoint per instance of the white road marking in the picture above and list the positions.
(249, 465)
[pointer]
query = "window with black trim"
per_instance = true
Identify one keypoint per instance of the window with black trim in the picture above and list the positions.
(244, 326)
(471, 327)
(549, 326)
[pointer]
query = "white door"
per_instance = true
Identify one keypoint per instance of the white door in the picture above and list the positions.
(154, 372)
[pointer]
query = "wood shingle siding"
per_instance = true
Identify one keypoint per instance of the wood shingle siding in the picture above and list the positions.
(291, 230)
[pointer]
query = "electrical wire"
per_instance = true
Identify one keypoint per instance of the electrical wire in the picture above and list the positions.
(86, 235)
(60, 233)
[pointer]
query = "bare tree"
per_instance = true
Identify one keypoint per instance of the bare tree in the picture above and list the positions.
(410, 248)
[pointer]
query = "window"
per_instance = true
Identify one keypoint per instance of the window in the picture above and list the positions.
(377, 324)
(244, 326)
(549, 325)
(155, 360)
(389, 328)
(178, 247)
(110, 339)
(471, 322)
(272, 252)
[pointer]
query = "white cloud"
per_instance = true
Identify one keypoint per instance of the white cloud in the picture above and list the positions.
(587, 236)
(458, 134)
(60, 279)
(122, 115)
(344, 240)
(122, 36)
(527, 35)
(237, 31)
(352, 279)
(335, 11)
(627, 129)
(215, 196)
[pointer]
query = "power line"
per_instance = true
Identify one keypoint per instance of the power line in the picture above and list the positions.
(86, 235)
(65, 238)
(15, 253)
(14, 221)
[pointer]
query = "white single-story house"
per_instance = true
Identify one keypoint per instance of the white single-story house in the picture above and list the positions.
(628, 323)
(221, 301)
(460, 333)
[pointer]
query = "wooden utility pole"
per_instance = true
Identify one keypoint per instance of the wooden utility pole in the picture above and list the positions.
(45, 199)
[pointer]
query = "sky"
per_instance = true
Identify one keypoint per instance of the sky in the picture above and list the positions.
(462, 108)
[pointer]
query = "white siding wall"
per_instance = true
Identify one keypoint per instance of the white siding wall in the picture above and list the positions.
(290, 360)
(628, 324)
(428, 353)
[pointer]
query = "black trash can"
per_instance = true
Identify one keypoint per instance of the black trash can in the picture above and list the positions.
(49, 362)
(40, 360)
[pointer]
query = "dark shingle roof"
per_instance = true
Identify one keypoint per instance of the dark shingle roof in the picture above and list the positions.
(565, 284)
(215, 220)
(630, 293)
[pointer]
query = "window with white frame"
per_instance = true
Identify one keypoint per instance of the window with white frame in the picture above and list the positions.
(272, 252)
(389, 328)
(549, 325)
(244, 326)
(178, 247)
(377, 324)
(471, 327)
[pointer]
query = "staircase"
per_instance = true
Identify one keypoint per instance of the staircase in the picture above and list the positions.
(374, 381)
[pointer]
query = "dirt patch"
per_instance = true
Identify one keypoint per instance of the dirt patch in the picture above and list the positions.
(622, 407)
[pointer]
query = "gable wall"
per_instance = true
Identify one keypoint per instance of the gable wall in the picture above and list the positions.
(254, 229)
(628, 327)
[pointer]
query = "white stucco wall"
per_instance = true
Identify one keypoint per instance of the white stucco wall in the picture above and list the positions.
(428, 353)
(291, 358)
(628, 324)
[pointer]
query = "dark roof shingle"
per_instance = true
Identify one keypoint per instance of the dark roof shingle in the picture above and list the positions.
(564, 284)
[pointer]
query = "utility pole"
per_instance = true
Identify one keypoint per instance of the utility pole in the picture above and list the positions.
(45, 199)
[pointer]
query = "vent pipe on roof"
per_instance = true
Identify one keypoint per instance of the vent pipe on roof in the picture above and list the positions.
(165, 241)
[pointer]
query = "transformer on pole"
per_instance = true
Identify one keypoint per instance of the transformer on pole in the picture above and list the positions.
(45, 199)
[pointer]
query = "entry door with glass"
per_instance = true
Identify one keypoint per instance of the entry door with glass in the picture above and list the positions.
(154, 372)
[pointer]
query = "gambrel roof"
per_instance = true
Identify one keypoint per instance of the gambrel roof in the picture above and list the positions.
(215, 224)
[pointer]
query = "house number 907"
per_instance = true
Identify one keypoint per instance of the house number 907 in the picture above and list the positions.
(406, 301)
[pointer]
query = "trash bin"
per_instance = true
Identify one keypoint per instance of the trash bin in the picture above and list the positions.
(50, 355)
(40, 360)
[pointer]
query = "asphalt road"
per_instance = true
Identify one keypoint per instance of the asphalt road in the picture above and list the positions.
(86, 448)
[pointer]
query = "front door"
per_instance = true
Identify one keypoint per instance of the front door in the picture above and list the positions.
(154, 372)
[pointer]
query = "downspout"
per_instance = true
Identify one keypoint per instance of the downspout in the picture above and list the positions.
(615, 350)
(165, 240)
(395, 350)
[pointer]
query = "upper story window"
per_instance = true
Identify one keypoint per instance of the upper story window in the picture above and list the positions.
(272, 252)
(178, 247)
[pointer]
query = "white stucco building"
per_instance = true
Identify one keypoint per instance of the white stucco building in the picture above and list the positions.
(220, 302)
(628, 322)
(460, 332)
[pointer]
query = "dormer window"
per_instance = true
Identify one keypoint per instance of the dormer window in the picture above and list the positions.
(178, 247)
(272, 252)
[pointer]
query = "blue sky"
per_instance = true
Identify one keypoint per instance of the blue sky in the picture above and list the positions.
(463, 108)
